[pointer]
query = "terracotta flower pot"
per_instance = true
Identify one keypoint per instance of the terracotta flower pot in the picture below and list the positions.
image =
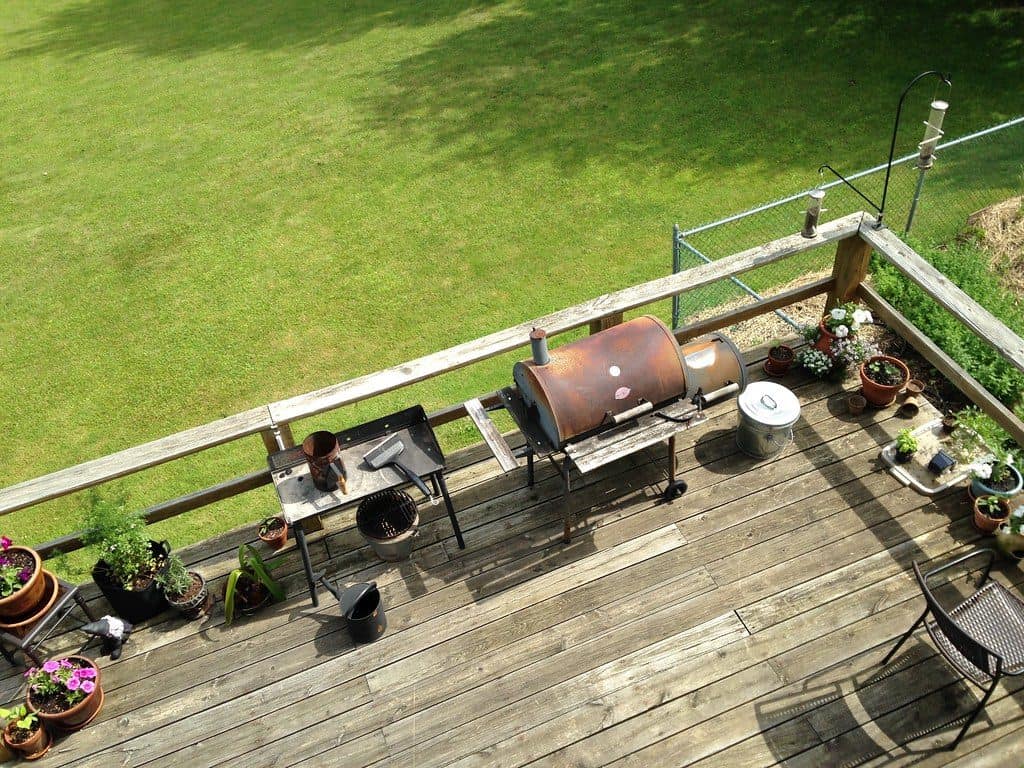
(32, 748)
(80, 714)
(825, 338)
(277, 537)
(882, 395)
(780, 357)
(21, 626)
(985, 523)
(856, 404)
(26, 600)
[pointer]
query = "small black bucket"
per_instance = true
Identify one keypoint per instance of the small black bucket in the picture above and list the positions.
(363, 612)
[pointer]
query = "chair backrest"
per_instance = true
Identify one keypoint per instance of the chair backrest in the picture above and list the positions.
(970, 648)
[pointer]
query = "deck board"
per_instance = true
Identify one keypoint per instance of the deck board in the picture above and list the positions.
(739, 625)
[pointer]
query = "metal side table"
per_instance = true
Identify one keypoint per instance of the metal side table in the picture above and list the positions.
(67, 597)
(301, 501)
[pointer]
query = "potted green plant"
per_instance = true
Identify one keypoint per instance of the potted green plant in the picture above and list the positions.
(1010, 535)
(780, 357)
(990, 512)
(274, 531)
(24, 585)
(129, 560)
(906, 446)
(250, 585)
(882, 377)
(184, 590)
(24, 733)
(65, 693)
(989, 454)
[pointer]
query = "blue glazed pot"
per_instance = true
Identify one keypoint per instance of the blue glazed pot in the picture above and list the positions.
(978, 487)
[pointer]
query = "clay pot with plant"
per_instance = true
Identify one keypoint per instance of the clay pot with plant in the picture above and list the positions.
(882, 377)
(906, 446)
(65, 693)
(24, 589)
(989, 453)
(274, 531)
(842, 322)
(780, 358)
(250, 585)
(185, 590)
(24, 733)
(990, 512)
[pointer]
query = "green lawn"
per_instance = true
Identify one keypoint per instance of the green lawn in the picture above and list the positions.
(207, 206)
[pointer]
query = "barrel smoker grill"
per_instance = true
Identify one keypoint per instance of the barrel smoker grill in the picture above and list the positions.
(606, 396)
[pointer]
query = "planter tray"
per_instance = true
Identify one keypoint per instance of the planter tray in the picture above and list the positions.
(915, 472)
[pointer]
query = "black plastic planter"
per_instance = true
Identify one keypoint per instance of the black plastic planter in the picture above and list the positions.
(132, 605)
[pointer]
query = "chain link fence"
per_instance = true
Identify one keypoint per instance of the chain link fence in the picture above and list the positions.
(970, 173)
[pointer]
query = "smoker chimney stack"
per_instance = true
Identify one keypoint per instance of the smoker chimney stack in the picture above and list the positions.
(539, 346)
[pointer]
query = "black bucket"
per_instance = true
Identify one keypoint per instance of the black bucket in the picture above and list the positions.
(363, 612)
(134, 606)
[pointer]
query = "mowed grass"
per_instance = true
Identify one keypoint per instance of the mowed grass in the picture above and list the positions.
(206, 207)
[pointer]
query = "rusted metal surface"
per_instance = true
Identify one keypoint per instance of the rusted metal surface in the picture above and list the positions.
(711, 362)
(607, 373)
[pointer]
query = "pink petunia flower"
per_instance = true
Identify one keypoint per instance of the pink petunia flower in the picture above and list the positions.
(66, 663)
(87, 672)
(51, 666)
(73, 683)
(4, 542)
(25, 574)
(88, 686)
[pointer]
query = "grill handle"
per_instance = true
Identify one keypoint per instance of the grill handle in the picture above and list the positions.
(632, 413)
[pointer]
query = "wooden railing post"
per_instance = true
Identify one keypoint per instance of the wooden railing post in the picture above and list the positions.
(270, 438)
(851, 267)
(606, 322)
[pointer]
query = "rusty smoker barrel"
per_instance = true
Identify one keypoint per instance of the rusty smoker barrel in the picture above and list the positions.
(616, 370)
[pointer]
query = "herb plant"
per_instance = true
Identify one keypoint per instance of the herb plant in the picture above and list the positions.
(991, 506)
(121, 536)
(906, 442)
(175, 579)
(883, 372)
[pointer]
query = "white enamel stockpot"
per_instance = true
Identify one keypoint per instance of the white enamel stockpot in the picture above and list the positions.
(768, 412)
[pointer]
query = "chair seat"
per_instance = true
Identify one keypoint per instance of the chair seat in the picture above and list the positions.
(994, 617)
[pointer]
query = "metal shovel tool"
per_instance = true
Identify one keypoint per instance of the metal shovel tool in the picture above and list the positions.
(388, 452)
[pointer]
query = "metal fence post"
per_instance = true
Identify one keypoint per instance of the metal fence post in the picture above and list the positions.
(676, 267)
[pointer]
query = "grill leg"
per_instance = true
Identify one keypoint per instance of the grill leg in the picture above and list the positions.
(529, 469)
(566, 489)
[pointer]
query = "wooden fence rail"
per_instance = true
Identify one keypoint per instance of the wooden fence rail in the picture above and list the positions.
(853, 234)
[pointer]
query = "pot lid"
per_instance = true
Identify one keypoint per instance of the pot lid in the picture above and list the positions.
(770, 404)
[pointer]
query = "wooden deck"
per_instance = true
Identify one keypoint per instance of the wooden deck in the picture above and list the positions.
(740, 625)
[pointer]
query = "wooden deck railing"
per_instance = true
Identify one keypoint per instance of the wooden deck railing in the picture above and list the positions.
(855, 239)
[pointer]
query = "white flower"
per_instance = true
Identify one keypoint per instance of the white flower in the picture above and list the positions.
(854, 327)
(842, 331)
(1019, 511)
(862, 316)
(981, 470)
(1009, 459)
(838, 313)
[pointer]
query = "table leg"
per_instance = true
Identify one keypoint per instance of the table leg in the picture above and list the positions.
(300, 539)
(672, 459)
(566, 489)
(439, 480)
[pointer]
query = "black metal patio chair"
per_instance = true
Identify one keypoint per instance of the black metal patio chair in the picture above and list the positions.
(982, 637)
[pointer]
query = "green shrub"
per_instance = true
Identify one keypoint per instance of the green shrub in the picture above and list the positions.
(966, 265)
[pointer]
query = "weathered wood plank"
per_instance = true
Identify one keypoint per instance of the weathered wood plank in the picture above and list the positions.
(947, 294)
(89, 473)
(489, 432)
(354, 390)
(849, 269)
(948, 367)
